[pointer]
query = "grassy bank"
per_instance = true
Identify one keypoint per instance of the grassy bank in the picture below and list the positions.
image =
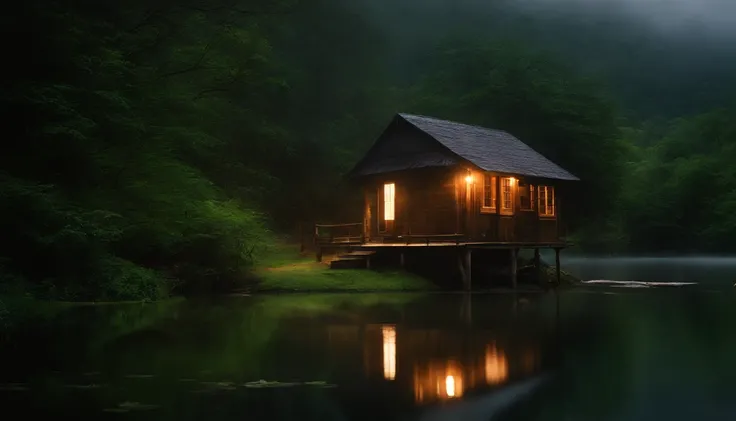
(284, 269)
(18, 309)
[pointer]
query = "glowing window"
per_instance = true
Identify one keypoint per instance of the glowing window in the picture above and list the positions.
(389, 200)
(507, 195)
(546, 200)
(489, 193)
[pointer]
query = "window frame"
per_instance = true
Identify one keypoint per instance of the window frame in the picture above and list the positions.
(532, 194)
(493, 191)
(544, 193)
(502, 208)
(384, 226)
(389, 190)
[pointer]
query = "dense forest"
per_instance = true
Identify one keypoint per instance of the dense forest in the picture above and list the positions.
(159, 146)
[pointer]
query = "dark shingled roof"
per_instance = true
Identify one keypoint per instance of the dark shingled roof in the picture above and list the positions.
(418, 160)
(490, 150)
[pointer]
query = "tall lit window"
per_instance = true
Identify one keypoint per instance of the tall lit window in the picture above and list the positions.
(507, 195)
(389, 201)
(546, 200)
(489, 193)
(389, 352)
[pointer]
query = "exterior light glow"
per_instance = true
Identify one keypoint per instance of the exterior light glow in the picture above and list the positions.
(469, 179)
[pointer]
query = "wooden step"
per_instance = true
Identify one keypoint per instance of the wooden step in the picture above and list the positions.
(358, 253)
(348, 263)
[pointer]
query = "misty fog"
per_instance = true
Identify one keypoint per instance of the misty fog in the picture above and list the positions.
(673, 16)
(678, 51)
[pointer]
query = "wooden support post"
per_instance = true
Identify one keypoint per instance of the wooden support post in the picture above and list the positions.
(467, 312)
(368, 262)
(319, 254)
(514, 262)
(461, 268)
(468, 272)
(402, 260)
(302, 246)
(557, 265)
(538, 266)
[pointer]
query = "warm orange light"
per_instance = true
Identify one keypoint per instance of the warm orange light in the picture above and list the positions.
(512, 180)
(450, 386)
(389, 199)
(389, 352)
(469, 179)
(438, 380)
(497, 366)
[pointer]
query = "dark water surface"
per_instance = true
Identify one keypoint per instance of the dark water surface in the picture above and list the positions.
(605, 354)
(708, 271)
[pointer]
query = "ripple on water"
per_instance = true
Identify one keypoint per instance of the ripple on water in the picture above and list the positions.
(138, 376)
(128, 406)
(266, 384)
(13, 387)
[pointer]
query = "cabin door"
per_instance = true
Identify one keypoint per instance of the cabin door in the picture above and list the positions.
(387, 208)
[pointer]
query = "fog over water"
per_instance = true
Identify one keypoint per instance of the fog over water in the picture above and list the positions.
(710, 271)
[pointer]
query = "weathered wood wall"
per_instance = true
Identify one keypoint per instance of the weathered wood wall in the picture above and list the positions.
(440, 201)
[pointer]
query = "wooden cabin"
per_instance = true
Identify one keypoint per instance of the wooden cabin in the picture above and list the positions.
(426, 179)
(431, 182)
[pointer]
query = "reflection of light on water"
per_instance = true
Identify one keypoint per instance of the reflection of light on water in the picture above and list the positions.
(389, 352)
(438, 380)
(450, 386)
(497, 366)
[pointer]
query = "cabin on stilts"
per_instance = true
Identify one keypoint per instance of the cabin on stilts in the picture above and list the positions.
(436, 183)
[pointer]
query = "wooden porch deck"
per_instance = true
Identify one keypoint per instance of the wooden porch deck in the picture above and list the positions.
(471, 244)
(343, 235)
(352, 236)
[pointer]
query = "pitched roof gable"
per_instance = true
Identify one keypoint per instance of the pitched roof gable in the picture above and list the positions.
(400, 147)
(490, 150)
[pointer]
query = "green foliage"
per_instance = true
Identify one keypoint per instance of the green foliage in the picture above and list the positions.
(285, 270)
(677, 192)
(133, 144)
(152, 144)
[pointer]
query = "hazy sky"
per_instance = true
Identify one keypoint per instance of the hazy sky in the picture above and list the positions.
(713, 16)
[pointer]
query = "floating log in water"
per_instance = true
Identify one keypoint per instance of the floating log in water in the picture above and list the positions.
(637, 284)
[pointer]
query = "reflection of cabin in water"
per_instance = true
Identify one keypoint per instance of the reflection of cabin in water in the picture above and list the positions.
(436, 183)
(442, 364)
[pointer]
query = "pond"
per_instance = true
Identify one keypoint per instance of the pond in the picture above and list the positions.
(592, 353)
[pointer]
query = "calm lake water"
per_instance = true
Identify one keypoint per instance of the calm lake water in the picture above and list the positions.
(593, 353)
(708, 271)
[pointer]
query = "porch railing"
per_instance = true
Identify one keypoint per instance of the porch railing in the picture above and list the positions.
(430, 238)
(336, 234)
